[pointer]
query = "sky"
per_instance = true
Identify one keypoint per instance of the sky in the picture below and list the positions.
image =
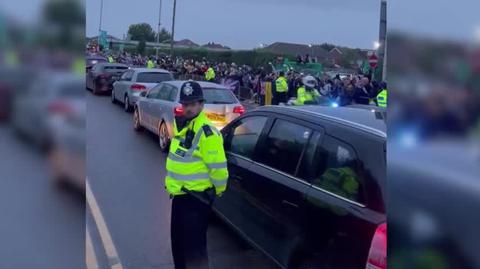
(244, 24)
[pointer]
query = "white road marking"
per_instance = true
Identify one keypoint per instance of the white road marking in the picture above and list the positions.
(91, 258)
(105, 236)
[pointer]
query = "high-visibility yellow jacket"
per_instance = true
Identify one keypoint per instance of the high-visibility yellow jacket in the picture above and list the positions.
(202, 166)
(382, 98)
(110, 59)
(282, 84)
(304, 95)
(210, 74)
(150, 64)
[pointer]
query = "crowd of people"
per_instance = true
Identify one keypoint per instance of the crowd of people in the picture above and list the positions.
(343, 90)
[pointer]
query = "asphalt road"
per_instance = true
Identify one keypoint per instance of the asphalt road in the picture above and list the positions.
(125, 170)
(41, 226)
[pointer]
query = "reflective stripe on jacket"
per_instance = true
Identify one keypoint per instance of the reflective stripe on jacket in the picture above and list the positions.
(202, 166)
(281, 84)
(382, 98)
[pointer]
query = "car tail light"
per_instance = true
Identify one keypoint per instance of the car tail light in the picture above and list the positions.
(59, 108)
(178, 111)
(239, 110)
(138, 87)
(377, 256)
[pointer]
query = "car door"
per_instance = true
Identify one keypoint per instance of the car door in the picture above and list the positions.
(123, 85)
(276, 193)
(160, 106)
(339, 223)
(240, 139)
(145, 110)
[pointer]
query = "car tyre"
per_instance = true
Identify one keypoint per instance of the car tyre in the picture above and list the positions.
(126, 104)
(136, 121)
(114, 101)
(163, 137)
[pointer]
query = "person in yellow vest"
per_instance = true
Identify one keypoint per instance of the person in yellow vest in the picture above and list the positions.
(110, 59)
(196, 174)
(210, 74)
(150, 63)
(307, 92)
(382, 96)
(281, 89)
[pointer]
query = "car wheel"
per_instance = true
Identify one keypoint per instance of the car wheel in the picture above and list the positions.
(136, 120)
(114, 101)
(126, 104)
(163, 137)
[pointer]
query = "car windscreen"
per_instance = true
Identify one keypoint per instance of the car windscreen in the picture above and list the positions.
(218, 96)
(75, 89)
(115, 68)
(153, 77)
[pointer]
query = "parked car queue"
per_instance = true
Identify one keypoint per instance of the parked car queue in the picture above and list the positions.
(307, 185)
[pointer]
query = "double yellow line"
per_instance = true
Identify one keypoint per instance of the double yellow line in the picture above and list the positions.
(105, 236)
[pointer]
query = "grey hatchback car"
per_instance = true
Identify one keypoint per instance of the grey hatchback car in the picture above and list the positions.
(134, 81)
(156, 109)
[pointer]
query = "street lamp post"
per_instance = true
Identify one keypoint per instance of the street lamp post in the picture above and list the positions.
(173, 28)
(159, 26)
(101, 13)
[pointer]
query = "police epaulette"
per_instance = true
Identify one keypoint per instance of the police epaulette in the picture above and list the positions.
(207, 130)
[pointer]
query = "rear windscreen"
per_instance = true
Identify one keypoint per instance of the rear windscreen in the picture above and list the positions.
(218, 96)
(114, 68)
(153, 77)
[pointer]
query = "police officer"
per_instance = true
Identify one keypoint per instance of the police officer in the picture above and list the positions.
(210, 73)
(196, 174)
(382, 96)
(110, 59)
(150, 63)
(281, 88)
(307, 92)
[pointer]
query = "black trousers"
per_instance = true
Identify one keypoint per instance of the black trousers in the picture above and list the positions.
(188, 229)
(281, 97)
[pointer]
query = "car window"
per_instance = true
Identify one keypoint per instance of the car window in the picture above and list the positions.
(218, 96)
(152, 94)
(153, 77)
(173, 94)
(284, 146)
(115, 68)
(164, 93)
(127, 76)
(243, 137)
(341, 174)
(310, 165)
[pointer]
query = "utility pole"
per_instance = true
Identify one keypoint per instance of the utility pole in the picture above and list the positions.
(159, 26)
(383, 37)
(101, 13)
(173, 28)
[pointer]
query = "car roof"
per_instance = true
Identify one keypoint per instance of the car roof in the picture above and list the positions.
(151, 70)
(112, 64)
(203, 84)
(370, 120)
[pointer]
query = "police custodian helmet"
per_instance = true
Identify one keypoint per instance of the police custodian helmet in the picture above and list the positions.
(191, 92)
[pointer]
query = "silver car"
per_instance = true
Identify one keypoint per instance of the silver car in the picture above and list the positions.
(157, 108)
(52, 95)
(134, 81)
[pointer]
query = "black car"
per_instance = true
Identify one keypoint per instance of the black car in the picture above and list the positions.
(101, 76)
(92, 60)
(307, 185)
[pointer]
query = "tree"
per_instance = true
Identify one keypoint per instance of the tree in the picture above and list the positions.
(141, 31)
(165, 36)
(141, 47)
(327, 47)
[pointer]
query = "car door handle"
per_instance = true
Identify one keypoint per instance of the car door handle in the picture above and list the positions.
(285, 202)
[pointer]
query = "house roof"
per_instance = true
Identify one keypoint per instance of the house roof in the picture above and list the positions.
(186, 42)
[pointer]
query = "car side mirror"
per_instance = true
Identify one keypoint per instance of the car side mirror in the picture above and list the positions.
(143, 94)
